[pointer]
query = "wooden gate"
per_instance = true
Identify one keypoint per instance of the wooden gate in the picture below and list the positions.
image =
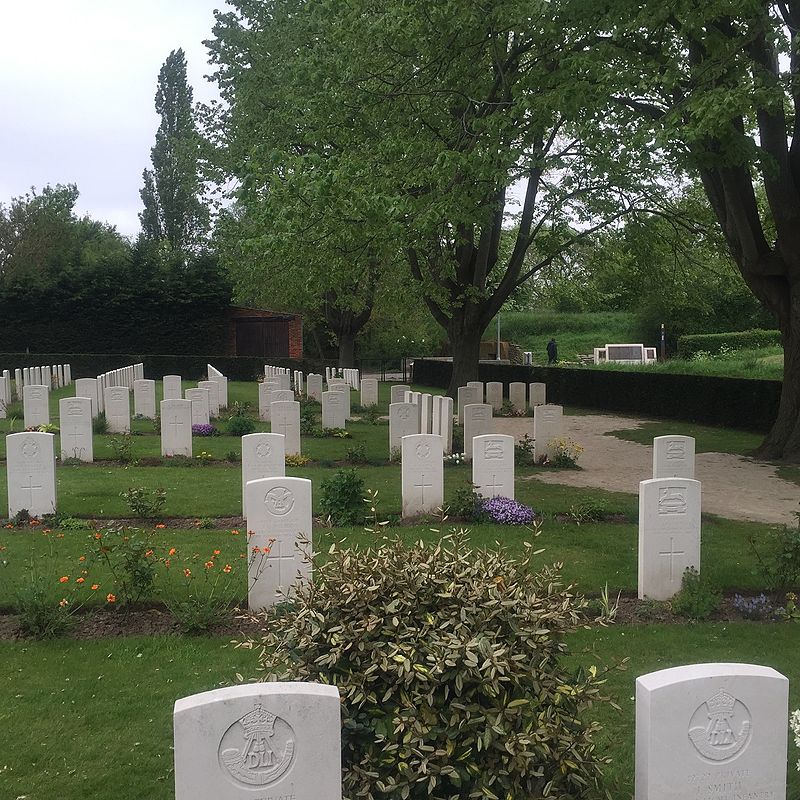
(267, 337)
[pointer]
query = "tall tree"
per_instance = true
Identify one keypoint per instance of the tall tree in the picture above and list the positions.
(413, 120)
(718, 85)
(174, 213)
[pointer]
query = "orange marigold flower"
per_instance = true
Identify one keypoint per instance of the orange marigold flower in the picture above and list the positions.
(80, 580)
(216, 552)
(148, 553)
(10, 525)
(161, 525)
(82, 558)
(256, 549)
(45, 530)
(59, 536)
(187, 572)
(226, 569)
(95, 587)
(98, 536)
(167, 563)
(34, 521)
(63, 603)
(234, 532)
(208, 564)
(172, 551)
(111, 598)
(63, 579)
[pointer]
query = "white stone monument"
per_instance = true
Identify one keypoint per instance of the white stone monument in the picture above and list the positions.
(144, 398)
(403, 421)
(201, 405)
(425, 413)
(31, 473)
(493, 465)
(75, 426)
(478, 387)
(279, 515)
(422, 473)
(261, 741)
(314, 387)
(333, 409)
(548, 425)
(36, 405)
(398, 392)
(712, 731)
(477, 422)
(176, 428)
(467, 395)
(286, 421)
(669, 534)
(494, 394)
(537, 392)
(516, 396)
(344, 389)
(263, 456)
(673, 457)
(87, 387)
(117, 402)
(213, 396)
(172, 387)
(369, 392)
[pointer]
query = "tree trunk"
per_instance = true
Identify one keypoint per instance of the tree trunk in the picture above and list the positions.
(783, 440)
(465, 335)
(347, 348)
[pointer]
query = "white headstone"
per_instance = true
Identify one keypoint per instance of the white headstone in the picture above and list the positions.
(436, 415)
(344, 388)
(333, 409)
(369, 392)
(87, 387)
(75, 426)
(425, 413)
(467, 395)
(403, 421)
(548, 425)
(144, 398)
(397, 392)
(118, 409)
(478, 387)
(537, 393)
(172, 387)
(477, 422)
(493, 465)
(422, 473)
(516, 396)
(282, 396)
(36, 405)
(263, 456)
(201, 402)
(669, 534)
(262, 741)
(279, 515)
(712, 731)
(314, 387)
(213, 396)
(31, 473)
(494, 394)
(673, 457)
(286, 420)
(176, 428)
(222, 382)
(446, 423)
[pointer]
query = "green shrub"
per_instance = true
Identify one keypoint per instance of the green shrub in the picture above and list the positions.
(100, 424)
(781, 570)
(240, 425)
(448, 661)
(41, 613)
(525, 451)
(465, 503)
(343, 498)
(713, 343)
(357, 454)
(129, 556)
(698, 598)
(122, 446)
(144, 502)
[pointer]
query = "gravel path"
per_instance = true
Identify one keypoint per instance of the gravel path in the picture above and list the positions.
(733, 486)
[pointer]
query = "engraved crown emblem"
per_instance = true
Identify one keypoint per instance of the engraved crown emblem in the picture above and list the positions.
(721, 703)
(258, 722)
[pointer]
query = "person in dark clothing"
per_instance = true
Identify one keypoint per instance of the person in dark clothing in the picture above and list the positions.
(552, 352)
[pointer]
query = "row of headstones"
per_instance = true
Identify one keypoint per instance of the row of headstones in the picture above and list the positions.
(56, 376)
(521, 396)
(669, 519)
(716, 731)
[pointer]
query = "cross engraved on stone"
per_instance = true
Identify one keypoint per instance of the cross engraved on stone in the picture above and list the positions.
(31, 486)
(494, 485)
(278, 560)
(75, 435)
(422, 486)
(671, 553)
(176, 423)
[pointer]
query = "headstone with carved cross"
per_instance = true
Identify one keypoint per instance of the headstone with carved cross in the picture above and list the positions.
(144, 398)
(263, 456)
(75, 424)
(117, 402)
(477, 422)
(279, 538)
(176, 428)
(548, 429)
(201, 405)
(673, 457)
(31, 473)
(261, 741)
(172, 387)
(403, 421)
(712, 731)
(422, 473)
(333, 409)
(36, 405)
(669, 534)
(286, 421)
(493, 465)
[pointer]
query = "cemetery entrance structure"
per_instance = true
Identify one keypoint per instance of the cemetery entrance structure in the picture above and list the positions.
(262, 333)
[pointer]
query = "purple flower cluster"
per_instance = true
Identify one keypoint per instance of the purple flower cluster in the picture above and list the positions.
(757, 607)
(203, 430)
(505, 511)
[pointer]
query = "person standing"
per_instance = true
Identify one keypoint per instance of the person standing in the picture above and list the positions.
(552, 352)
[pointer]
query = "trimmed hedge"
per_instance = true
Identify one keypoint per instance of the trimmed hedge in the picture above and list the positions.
(88, 365)
(727, 402)
(735, 340)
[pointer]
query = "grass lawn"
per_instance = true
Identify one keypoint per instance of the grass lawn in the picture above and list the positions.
(92, 719)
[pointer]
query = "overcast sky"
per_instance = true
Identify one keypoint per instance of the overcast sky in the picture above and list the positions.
(77, 82)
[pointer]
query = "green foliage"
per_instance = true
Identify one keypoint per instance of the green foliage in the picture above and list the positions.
(465, 502)
(239, 422)
(422, 667)
(100, 424)
(144, 502)
(590, 509)
(342, 498)
(780, 570)
(122, 445)
(525, 451)
(357, 454)
(712, 343)
(698, 598)
(41, 611)
(128, 554)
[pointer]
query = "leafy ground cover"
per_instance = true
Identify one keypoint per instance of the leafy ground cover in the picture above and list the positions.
(708, 439)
